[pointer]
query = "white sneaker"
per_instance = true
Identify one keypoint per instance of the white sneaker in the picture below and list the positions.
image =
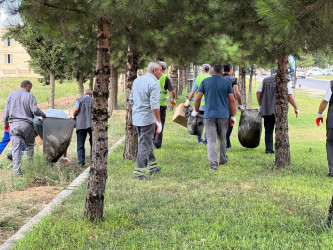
(66, 160)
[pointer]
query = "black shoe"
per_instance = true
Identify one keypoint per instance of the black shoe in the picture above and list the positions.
(82, 165)
(269, 152)
(224, 161)
(330, 175)
(155, 170)
(9, 157)
(139, 177)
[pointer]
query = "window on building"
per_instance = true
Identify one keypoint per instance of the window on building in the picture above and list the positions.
(8, 58)
(9, 42)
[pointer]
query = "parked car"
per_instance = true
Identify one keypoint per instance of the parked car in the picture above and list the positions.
(314, 72)
(328, 72)
(300, 73)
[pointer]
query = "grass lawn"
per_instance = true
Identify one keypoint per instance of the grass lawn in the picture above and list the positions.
(246, 204)
(40, 91)
(22, 197)
(328, 77)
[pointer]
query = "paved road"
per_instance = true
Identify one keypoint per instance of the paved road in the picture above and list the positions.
(314, 83)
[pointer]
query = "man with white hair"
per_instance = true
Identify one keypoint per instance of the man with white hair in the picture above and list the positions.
(145, 101)
(82, 115)
(165, 86)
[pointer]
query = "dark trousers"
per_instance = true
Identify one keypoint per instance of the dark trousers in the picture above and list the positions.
(228, 136)
(159, 137)
(269, 123)
(81, 135)
(329, 148)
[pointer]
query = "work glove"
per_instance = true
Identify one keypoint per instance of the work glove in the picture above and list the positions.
(319, 119)
(187, 103)
(297, 112)
(173, 102)
(158, 127)
(241, 107)
(259, 108)
(6, 128)
(232, 120)
(194, 113)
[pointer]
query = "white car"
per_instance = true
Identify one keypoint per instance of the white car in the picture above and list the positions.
(328, 72)
(300, 73)
(314, 72)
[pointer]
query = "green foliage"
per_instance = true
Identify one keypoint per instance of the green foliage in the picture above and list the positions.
(46, 56)
(305, 60)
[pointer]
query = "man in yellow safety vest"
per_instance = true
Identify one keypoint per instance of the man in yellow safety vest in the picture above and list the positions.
(165, 86)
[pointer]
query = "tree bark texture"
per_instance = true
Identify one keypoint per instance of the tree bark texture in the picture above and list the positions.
(131, 137)
(330, 214)
(113, 90)
(91, 82)
(282, 148)
(81, 87)
(98, 169)
(242, 84)
(52, 90)
(250, 87)
(182, 74)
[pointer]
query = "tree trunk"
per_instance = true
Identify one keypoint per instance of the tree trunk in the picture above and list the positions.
(52, 90)
(81, 87)
(91, 82)
(113, 90)
(131, 137)
(250, 87)
(282, 149)
(330, 214)
(181, 80)
(98, 169)
(242, 84)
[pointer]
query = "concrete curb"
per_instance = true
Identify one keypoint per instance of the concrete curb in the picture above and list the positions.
(49, 208)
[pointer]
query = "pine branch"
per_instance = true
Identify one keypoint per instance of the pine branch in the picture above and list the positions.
(62, 7)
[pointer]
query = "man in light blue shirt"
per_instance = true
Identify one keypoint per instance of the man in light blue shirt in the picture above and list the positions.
(145, 101)
(220, 105)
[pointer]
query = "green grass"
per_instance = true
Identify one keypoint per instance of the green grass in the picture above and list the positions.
(40, 91)
(328, 77)
(246, 204)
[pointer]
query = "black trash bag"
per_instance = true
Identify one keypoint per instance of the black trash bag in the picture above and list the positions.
(57, 135)
(187, 112)
(249, 130)
(195, 125)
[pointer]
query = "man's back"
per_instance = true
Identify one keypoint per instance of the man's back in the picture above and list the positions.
(83, 119)
(21, 106)
(145, 97)
(216, 90)
(268, 96)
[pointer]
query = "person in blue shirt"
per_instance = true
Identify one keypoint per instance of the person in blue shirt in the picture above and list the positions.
(220, 111)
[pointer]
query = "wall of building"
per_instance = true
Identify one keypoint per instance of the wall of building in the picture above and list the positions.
(14, 59)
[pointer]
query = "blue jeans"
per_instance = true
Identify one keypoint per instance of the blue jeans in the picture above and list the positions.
(269, 123)
(81, 138)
